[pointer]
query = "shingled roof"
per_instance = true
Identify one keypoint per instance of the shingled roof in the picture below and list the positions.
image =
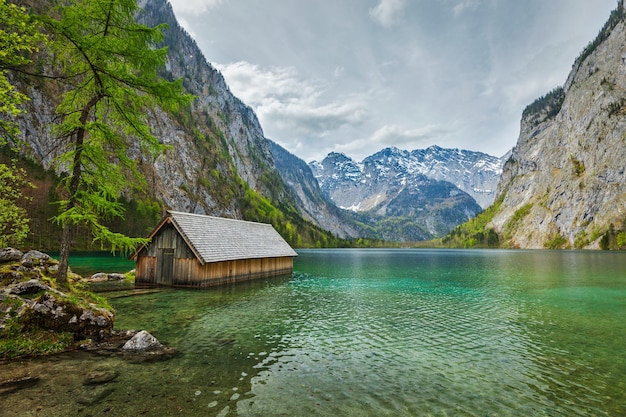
(216, 239)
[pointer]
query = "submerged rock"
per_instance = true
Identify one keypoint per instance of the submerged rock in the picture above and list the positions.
(15, 384)
(94, 395)
(100, 377)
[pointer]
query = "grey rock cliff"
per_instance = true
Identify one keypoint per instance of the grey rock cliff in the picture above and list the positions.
(565, 181)
(310, 200)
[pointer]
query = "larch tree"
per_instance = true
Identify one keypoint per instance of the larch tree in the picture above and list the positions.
(19, 39)
(109, 64)
(14, 221)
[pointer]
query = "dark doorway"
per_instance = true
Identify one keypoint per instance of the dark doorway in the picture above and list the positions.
(165, 270)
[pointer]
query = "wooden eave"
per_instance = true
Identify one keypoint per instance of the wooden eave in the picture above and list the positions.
(168, 220)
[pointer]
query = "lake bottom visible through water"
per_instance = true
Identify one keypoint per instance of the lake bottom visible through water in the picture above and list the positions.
(366, 333)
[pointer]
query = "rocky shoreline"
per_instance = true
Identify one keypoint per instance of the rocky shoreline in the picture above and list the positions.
(30, 304)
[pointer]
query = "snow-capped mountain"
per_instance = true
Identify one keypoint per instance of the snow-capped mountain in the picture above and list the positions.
(359, 186)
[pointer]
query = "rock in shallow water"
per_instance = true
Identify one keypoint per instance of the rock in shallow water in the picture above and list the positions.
(100, 377)
(142, 342)
(12, 385)
(144, 347)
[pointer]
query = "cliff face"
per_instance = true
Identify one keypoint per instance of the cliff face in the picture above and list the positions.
(564, 184)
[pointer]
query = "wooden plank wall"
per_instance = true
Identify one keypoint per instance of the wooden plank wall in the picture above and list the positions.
(168, 237)
(188, 272)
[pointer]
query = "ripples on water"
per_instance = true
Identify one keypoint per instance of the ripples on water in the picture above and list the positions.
(391, 333)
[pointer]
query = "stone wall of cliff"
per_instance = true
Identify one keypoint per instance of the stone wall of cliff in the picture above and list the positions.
(565, 182)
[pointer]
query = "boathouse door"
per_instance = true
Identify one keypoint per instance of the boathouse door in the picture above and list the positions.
(165, 270)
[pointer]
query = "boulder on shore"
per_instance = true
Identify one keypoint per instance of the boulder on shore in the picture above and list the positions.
(54, 312)
(10, 255)
(103, 277)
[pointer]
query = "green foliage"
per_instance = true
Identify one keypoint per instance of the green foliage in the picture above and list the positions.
(287, 221)
(14, 221)
(614, 239)
(579, 166)
(557, 242)
(581, 240)
(518, 216)
(15, 343)
(551, 102)
(19, 38)
(111, 66)
(404, 228)
(616, 16)
(474, 232)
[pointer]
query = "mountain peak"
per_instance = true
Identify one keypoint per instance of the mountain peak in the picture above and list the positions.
(476, 173)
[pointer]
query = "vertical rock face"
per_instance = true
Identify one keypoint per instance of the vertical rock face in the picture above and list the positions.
(564, 184)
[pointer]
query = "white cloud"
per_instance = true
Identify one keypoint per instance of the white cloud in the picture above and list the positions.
(194, 6)
(464, 5)
(288, 105)
(394, 134)
(387, 12)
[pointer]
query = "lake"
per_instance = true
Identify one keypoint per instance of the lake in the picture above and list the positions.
(369, 333)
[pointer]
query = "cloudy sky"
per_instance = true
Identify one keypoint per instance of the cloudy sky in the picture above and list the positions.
(356, 76)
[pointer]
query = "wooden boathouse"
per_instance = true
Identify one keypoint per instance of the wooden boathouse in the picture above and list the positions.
(192, 250)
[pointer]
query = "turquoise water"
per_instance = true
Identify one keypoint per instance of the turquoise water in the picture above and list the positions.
(89, 263)
(373, 333)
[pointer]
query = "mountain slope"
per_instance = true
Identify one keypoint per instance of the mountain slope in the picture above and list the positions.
(476, 173)
(310, 200)
(389, 193)
(565, 182)
(219, 161)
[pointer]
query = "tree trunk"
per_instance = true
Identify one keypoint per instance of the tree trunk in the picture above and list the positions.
(66, 236)
(64, 255)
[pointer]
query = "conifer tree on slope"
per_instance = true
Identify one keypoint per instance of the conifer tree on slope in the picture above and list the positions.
(109, 64)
